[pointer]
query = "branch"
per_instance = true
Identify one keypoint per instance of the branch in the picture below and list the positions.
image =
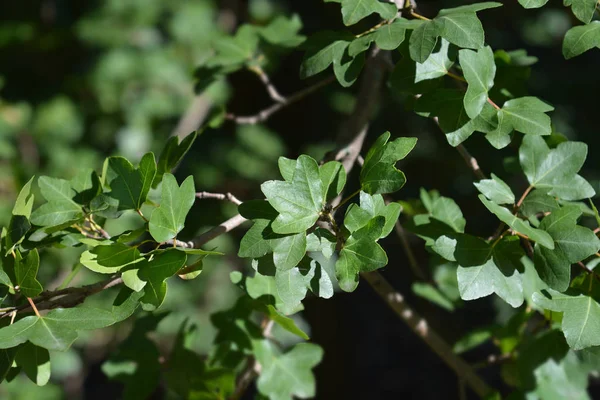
(219, 196)
(206, 237)
(271, 89)
(420, 326)
(267, 112)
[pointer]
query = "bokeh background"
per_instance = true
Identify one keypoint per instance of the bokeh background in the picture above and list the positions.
(82, 80)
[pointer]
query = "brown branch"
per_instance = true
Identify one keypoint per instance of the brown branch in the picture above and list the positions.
(267, 112)
(420, 327)
(219, 196)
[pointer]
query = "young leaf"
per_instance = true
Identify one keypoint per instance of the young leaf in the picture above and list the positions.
(155, 272)
(580, 39)
(283, 31)
(496, 190)
(129, 185)
(371, 206)
(333, 177)
(172, 154)
(288, 375)
(555, 171)
(379, 174)
(168, 219)
(517, 224)
(233, 52)
(298, 202)
(479, 70)
(361, 253)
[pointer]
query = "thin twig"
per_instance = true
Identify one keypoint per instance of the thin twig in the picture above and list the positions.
(219, 196)
(471, 161)
(267, 112)
(271, 89)
(420, 326)
(206, 237)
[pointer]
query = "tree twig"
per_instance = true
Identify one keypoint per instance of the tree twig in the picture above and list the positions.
(271, 89)
(206, 237)
(267, 112)
(219, 196)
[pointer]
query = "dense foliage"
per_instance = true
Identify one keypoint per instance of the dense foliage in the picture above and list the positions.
(315, 231)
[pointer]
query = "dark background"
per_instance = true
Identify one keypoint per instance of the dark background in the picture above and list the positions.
(47, 52)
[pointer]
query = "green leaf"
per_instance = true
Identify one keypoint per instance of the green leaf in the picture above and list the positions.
(108, 259)
(379, 174)
(86, 185)
(461, 29)
(172, 154)
(437, 64)
(526, 115)
(580, 39)
(288, 375)
(355, 10)
(360, 254)
(7, 357)
(555, 171)
(479, 70)
(444, 209)
(431, 293)
(19, 223)
(35, 362)
(57, 330)
(333, 177)
(321, 240)
(285, 322)
(326, 48)
(233, 52)
(496, 190)
(423, 40)
(485, 269)
(155, 272)
(169, 218)
(581, 316)
(287, 166)
(288, 251)
(582, 9)
(391, 36)
(129, 185)
(26, 270)
(573, 243)
(471, 8)
(532, 3)
(517, 224)
(538, 202)
(61, 209)
(283, 31)
(293, 284)
(371, 206)
(298, 202)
